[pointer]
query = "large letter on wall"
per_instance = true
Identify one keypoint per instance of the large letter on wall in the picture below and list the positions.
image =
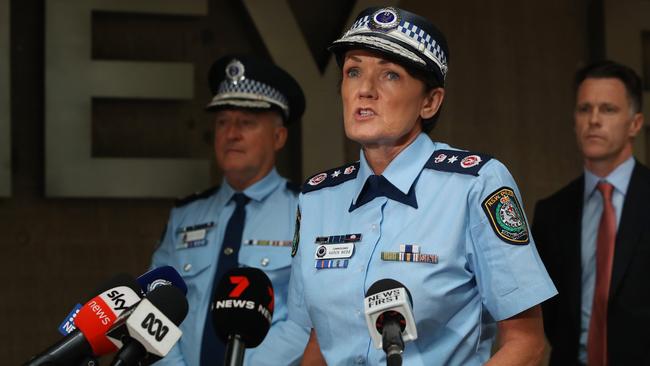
(72, 79)
(5, 130)
(323, 137)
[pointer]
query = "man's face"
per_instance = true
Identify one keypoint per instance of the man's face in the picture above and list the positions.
(605, 123)
(246, 143)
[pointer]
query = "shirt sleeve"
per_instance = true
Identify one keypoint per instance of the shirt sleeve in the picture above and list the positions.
(162, 254)
(162, 257)
(296, 303)
(501, 252)
(284, 345)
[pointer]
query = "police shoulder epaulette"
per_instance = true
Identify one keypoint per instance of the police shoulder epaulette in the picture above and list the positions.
(195, 196)
(293, 187)
(457, 161)
(331, 177)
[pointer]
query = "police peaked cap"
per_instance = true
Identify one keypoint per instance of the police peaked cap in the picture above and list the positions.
(411, 40)
(253, 83)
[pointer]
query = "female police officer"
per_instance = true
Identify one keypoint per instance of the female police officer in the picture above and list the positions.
(446, 223)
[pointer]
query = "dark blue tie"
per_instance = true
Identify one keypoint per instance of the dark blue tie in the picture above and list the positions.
(212, 349)
(379, 186)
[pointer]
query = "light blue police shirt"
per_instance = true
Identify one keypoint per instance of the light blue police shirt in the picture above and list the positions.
(592, 209)
(193, 238)
(483, 273)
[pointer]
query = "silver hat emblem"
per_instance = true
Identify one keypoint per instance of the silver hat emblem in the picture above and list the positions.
(235, 71)
(385, 19)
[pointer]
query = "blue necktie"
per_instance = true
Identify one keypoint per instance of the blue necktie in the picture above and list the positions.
(379, 186)
(212, 349)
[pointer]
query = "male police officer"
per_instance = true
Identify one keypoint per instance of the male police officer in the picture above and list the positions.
(248, 220)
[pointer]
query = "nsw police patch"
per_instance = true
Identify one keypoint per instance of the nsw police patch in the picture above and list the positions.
(506, 216)
(296, 235)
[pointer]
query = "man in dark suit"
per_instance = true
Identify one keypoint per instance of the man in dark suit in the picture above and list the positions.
(594, 234)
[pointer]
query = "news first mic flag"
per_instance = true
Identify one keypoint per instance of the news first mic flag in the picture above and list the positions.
(393, 299)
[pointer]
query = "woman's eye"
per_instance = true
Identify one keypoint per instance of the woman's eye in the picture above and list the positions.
(352, 72)
(391, 75)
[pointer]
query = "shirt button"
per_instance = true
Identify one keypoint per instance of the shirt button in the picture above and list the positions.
(358, 312)
(359, 360)
(187, 267)
(264, 262)
(228, 251)
(361, 268)
(373, 227)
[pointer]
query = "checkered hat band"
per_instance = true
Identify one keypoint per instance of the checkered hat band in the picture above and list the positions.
(408, 33)
(251, 90)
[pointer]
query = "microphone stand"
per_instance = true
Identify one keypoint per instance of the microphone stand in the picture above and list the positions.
(393, 343)
(234, 351)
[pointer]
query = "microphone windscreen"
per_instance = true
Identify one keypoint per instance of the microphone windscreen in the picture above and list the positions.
(165, 275)
(387, 284)
(97, 316)
(243, 305)
(120, 279)
(171, 301)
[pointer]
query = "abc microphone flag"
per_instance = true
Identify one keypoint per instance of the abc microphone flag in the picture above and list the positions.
(152, 327)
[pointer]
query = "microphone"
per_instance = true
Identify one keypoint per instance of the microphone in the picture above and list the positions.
(151, 327)
(242, 311)
(389, 318)
(165, 275)
(92, 321)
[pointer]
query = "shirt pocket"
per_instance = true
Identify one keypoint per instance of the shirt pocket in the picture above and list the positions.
(267, 258)
(191, 263)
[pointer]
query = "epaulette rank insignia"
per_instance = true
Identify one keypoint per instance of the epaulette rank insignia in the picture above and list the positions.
(196, 196)
(457, 161)
(331, 177)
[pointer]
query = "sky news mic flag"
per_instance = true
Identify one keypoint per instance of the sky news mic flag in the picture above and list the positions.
(242, 310)
(93, 320)
(389, 318)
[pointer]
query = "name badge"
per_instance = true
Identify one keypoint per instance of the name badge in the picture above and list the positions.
(334, 251)
(194, 235)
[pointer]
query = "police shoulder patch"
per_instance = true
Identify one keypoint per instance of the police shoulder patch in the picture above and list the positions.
(195, 196)
(457, 161)
(296, 234)
(330, 178)
(506, 216)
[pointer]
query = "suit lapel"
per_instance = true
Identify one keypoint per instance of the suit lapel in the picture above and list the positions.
(631, 223)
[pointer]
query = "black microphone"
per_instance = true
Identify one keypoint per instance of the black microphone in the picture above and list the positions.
(242, 311)
(389, 317)
(150, 329)
(94, 318)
